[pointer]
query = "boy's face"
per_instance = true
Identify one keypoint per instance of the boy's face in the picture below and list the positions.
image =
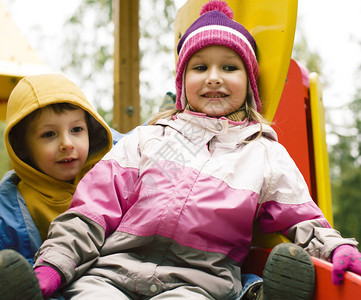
(216, 81)
(58, 143)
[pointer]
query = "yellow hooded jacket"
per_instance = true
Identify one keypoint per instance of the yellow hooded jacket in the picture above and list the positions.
(47, 197)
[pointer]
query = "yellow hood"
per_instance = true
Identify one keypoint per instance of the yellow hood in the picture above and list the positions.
(47, 197)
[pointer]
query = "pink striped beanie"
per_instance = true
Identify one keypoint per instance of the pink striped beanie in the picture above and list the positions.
(216, 26)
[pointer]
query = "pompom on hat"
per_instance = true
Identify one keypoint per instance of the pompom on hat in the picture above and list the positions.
(216, 26)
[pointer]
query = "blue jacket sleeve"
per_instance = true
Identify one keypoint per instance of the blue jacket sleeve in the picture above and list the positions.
(17, 229)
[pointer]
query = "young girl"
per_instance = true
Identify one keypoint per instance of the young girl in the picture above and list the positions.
(168, 212)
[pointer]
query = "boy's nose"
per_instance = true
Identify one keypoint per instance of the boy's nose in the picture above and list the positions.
(66, 144)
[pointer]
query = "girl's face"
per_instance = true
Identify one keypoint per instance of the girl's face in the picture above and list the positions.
(58, 143)
(216, 81)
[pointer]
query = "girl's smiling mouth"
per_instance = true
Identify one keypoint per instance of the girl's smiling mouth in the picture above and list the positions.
(214, 95)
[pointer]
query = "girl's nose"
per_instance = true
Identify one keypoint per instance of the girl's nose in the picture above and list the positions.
(213, 77)
(66, 144)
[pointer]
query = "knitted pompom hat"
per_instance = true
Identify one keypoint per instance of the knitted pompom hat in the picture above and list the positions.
(216, 26)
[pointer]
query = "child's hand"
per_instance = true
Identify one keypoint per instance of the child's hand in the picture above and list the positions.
(345, 258)
(49, 280)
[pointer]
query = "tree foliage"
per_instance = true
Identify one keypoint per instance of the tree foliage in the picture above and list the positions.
(344, 152)
(89, 51)
(156, 22)
(310, 59)
(345, 157)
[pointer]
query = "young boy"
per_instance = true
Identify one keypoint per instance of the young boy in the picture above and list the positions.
(53, 137)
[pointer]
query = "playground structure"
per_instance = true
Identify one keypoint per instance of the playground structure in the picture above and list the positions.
(292, 100)
(285, 87)
(17, 58)
(291, 97)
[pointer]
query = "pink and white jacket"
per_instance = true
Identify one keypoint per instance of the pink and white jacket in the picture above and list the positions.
(174, 204)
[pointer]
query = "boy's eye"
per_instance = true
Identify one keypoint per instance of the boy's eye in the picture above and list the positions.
(230, 68)
(77, 129)
(48, 134)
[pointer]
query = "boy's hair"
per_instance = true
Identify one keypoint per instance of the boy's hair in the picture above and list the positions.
(17, 133)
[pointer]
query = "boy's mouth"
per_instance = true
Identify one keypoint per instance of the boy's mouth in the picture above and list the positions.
(66, 160)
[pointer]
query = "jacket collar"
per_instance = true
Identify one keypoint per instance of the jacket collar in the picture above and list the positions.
(199, 128)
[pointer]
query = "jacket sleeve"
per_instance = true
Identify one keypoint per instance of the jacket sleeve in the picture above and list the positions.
(100, 200)
(286, 206)
(17, 229)
(317, 240)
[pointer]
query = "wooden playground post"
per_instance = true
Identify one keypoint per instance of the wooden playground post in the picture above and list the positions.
(126, 111)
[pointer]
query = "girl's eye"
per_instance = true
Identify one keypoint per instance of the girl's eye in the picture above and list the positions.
(200, 68)
(77, 129)
(230, 68)
(48, 134)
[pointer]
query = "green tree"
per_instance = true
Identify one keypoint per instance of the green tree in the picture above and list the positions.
(156, 22)
(88, 51)
(310, 59)
(344, 152)
(345, 157)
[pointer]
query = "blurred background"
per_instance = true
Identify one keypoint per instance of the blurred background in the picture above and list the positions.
(76, 37)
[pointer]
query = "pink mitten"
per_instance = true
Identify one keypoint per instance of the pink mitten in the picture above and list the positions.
(345, 258)
(49, 280)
